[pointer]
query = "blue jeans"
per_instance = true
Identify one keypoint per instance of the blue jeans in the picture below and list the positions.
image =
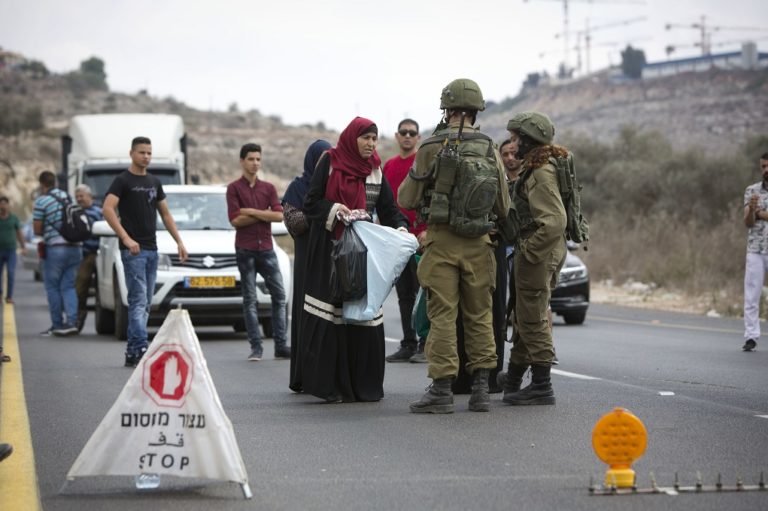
(264, 263)
(140, 275)
(59, 270)
(7, 258)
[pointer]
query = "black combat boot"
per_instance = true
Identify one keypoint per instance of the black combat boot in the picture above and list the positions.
(480, 400)
(511, 381)
(438, 398)
(539, 392)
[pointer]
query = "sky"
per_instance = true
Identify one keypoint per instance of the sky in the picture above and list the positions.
(308, 61)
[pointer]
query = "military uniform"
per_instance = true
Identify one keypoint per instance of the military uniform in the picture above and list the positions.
(456, 271)
(539, 256)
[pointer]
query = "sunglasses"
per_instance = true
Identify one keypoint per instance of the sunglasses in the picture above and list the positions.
(411, 133)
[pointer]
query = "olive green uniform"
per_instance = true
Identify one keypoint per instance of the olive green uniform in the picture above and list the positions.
(539, 256)
(456, 272)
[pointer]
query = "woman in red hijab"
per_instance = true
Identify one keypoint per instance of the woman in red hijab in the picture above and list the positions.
(343, 362)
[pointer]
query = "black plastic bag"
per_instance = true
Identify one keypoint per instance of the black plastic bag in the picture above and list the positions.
(349, 265)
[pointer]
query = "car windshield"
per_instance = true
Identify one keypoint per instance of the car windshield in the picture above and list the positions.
(99, 179)
(197, 211)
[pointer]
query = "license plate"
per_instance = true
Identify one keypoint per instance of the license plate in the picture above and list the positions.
(209, 281)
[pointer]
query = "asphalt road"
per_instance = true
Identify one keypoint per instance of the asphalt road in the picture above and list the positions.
(304, 454)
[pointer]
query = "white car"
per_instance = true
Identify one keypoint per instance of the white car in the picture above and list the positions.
(207, 285)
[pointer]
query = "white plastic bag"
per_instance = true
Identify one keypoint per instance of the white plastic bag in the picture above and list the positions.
(388, 253)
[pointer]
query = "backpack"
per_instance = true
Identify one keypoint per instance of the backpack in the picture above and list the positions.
(466, 183)
(75, 226)
(577, 227)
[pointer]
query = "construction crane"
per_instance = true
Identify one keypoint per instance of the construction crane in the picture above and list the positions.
(566, 32)
(587, 35)
(705, 31)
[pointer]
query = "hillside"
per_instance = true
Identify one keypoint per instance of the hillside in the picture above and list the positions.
(214, 137)
(695, 109)
(692, 109)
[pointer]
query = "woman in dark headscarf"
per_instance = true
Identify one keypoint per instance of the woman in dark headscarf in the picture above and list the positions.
(342, 362)
(298, 227)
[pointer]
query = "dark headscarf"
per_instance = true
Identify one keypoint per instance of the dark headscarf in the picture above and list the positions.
(346, 184)
(297, 190)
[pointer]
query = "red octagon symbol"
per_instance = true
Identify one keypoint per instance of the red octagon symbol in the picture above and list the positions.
(167, 375)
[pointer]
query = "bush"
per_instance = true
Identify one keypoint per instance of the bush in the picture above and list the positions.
(15, 118)
(666, 215)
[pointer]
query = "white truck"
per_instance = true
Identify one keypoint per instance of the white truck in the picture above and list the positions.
(97, 146)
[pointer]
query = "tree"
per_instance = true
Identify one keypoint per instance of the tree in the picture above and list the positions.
(532, 80)
(92, 71)
(632, 62)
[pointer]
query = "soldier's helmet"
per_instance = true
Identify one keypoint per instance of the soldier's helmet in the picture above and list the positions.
(462, 93)
(534, 124)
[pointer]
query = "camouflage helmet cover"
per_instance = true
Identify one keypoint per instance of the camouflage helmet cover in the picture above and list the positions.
(462, 93)
(534, 124)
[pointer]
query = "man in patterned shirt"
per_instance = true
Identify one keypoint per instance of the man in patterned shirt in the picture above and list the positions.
(756, 220)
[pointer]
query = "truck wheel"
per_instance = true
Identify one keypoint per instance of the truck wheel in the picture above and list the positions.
(121, 314)
(575, 318)
(104, 318)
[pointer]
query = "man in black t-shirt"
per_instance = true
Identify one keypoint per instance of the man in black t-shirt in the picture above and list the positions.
(138, 197)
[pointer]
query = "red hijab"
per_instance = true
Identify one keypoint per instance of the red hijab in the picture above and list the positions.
(346, 184)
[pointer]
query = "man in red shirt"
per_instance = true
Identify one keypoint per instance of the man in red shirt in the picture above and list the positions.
(395, 170)
(252, 205)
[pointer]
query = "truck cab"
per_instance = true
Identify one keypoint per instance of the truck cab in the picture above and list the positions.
(97, 149)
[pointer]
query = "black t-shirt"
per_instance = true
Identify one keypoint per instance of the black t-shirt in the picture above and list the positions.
(138, 196)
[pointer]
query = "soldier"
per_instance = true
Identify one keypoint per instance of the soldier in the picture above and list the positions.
(539, 255)
(458, 268)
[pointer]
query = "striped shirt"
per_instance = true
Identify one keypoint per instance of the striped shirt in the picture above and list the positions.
(49, 211)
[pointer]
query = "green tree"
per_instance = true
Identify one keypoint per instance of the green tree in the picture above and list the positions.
(632, 62)
(92, 74)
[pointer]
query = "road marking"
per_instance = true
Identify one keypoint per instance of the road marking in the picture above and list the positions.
(657, 323)
(666, 393)
(390, 339)
(762, 416)
(17, 472)
(573, 375)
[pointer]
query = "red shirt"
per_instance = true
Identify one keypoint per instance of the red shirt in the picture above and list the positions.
(395, 170)
(262, 195)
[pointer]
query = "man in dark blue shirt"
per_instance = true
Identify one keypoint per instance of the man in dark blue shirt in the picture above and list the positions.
(87, 268)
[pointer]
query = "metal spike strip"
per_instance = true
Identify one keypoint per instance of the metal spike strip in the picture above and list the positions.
(698, 487)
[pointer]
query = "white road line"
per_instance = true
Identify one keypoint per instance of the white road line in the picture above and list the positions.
(762, 416)
(390, 339)
(574, 375)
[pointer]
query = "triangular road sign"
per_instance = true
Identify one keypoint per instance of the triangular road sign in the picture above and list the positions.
(168, 418)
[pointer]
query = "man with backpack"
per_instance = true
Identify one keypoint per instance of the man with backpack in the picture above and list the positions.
(62, 256)
(539, 254)
(457, 186)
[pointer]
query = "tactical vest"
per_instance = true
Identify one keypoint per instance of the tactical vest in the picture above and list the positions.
(464, 183)
(577, 228)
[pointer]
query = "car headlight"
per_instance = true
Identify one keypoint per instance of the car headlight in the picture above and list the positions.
(573, 273)
(164, 262)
